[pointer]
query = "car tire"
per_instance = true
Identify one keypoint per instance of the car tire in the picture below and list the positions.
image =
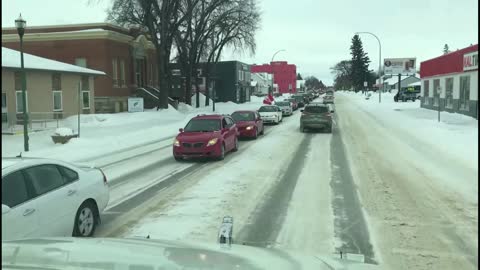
(235, 147)
(178, 158)
(85, 220)
(256, 134)
(263, 130)
(222, 152)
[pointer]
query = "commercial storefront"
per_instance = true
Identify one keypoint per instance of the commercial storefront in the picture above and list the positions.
(450, 82)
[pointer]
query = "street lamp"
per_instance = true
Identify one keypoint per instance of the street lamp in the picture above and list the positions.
(379, 62)
(21, 24)
(271, 62)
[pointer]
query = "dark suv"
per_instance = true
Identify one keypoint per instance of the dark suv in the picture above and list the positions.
(206, 136)
(316, 115)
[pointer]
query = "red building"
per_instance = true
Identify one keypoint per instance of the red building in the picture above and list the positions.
(450, 82)
(284, 75)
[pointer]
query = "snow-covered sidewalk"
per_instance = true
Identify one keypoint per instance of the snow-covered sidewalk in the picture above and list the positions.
(455, 135)
(104, 134)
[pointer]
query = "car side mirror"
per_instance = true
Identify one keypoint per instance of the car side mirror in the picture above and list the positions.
(5, 209)
(180, 129)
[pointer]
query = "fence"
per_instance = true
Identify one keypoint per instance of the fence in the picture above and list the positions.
(37, 121)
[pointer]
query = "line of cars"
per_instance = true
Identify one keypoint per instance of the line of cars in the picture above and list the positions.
(213, 136)
(318, 115)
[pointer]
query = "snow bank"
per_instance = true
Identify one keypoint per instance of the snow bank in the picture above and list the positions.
(64, 132)
(202, 98)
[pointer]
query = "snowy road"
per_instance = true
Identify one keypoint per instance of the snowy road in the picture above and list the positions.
(417, 221)
(354, 191)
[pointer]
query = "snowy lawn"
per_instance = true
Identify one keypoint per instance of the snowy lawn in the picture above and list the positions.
(455, 135)
(101, 134)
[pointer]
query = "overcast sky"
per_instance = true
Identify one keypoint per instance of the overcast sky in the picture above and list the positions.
(316, 34)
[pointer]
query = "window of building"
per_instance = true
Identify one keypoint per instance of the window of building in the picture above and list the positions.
(426, 90)
(85, 83)
(176, 72)
(464, 92)
(122, 82)
(436, 92)
(19, 102)
(86, 99)
(4, 101)
(81, 62)
(56, 81)
(115, 72)
(449, 93)
(57, 101)
(18, 80)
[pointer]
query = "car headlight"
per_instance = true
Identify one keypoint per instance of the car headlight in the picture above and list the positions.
(176, 142)
(212, 142)
(249, 128)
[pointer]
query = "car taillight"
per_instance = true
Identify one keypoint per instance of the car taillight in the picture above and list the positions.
(104, 177)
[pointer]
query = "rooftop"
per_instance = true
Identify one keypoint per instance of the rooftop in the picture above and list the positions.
(11, 59)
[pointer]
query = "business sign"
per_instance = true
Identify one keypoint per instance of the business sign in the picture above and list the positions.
(403, 66)
(470, 61)
(135, 104)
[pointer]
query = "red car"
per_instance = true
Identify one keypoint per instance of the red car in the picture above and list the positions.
(206, 136)
(249, 123)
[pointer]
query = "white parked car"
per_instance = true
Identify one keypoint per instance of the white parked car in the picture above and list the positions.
(45, 197)
(271, 114)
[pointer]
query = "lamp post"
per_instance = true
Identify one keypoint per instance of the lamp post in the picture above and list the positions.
(21, 24)
(271, 62)
(379, 62)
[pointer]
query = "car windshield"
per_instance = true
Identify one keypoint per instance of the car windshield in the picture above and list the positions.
(316, 109)
(282, 104)
(203, 125)
(267, 109)
(243, 116)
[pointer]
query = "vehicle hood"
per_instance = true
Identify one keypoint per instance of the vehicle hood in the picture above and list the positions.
(197, 136)
(111, 253)
(242, 124)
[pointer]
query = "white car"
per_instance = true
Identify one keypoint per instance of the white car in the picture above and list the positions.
(271, 114)
(285, 106)
(45, 197)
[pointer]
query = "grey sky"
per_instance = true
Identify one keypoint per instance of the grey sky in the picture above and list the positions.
(315, 34)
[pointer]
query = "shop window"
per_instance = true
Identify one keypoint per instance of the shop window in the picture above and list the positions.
(426, 90)
(449, 93)
(115, 72)
(436, 92)
(57, 101)
(19, 101)
(464, 92)
(86, 99)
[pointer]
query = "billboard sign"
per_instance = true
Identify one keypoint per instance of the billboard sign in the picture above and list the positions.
(403, 66)
(470, 61)
(135, 104)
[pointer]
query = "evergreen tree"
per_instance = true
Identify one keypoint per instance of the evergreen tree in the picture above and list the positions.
(360, 62)
(446, 49)
(299, 77)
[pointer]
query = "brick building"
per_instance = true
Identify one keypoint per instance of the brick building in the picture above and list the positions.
(125, 55)
(284, 75)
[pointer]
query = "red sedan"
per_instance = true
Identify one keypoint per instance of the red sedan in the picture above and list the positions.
(249, 123)
(206, 136)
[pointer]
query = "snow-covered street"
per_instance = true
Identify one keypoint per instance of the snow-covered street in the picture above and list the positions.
(374, 187)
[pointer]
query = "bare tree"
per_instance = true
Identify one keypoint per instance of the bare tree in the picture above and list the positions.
(160, 19)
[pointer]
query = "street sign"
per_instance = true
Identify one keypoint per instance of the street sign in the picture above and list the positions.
(135, 104)
(365, 83)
